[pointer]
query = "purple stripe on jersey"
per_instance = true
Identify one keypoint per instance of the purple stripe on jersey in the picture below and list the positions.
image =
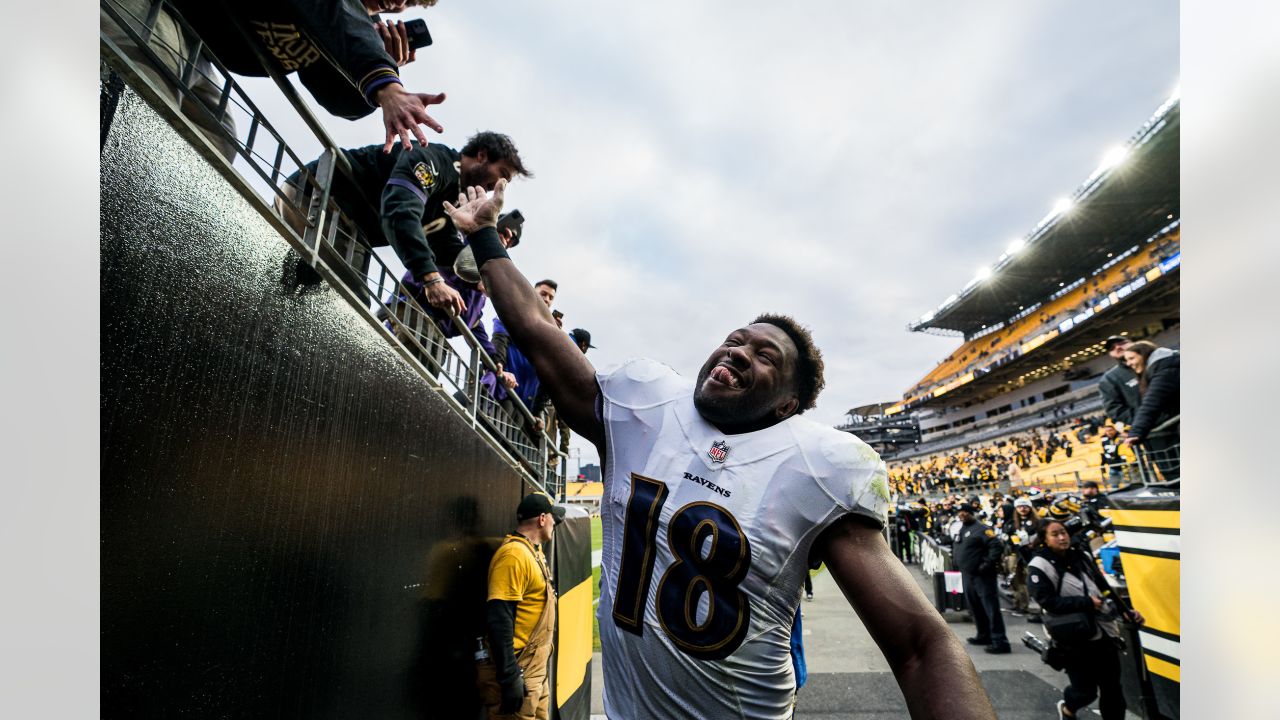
(406, 184)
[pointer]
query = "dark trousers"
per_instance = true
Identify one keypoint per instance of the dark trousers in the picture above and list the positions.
(984, 602)
(1094, 672)
(808, 583)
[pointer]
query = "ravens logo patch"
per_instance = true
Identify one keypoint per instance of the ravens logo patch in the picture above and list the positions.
(426, 175)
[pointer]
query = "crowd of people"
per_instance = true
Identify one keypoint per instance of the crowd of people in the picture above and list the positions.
(1040, 547)
(1001, 461)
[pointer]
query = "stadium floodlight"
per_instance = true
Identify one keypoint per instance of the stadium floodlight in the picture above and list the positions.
(982, 274)
(1114, 157)
(1015, 245)
(1061, 205)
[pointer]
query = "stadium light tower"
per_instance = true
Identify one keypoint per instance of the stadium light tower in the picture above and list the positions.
(1061, 206)
(982, 274)
(1015, 245)
(1114, 157)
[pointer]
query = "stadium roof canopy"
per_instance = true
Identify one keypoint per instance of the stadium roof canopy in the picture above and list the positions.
(1131, 197)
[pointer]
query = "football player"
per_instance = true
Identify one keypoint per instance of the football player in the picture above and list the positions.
(718, 498)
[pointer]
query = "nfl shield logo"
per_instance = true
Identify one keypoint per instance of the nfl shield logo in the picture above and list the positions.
(719, 451)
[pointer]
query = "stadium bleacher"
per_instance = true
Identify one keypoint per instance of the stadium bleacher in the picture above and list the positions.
(1036, 328)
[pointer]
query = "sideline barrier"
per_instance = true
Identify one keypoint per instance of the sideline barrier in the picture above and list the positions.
(936, 562)
(1147, 522)
(571, 666)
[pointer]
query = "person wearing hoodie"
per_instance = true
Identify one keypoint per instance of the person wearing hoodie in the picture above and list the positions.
(1158, 370)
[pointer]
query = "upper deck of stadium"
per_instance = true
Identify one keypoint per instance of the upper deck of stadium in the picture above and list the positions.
(1067, 284)
(1130, 197)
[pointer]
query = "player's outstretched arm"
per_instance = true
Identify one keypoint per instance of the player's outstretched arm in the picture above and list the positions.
(937, 678)
(562, 368)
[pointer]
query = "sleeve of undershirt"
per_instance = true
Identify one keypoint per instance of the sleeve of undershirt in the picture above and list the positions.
(508, 574)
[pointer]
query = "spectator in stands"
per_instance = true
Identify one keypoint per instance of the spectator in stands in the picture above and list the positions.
(977, 555)
(342, 52)
(1119, 385)
(1158, 370)
(1112, 462)
(581, 338)
(527, 385)
(1065, 580)
(409, 188)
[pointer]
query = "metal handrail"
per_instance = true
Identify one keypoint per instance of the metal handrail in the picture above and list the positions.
(330, 242)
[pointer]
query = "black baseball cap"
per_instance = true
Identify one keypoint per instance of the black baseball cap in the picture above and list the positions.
(581, 336)
(536, 503)
(1115, 340)
(966, 507)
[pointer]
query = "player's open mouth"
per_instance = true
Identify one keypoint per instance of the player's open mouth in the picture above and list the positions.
(725, 376)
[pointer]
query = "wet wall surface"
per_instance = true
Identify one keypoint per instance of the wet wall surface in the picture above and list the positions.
(293, 523)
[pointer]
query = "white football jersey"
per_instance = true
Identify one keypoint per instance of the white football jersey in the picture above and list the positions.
(706, 541)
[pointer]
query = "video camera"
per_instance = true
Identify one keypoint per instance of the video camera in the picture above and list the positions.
(1082, 527)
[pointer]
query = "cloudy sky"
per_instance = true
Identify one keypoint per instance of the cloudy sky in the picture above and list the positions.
(849, 163)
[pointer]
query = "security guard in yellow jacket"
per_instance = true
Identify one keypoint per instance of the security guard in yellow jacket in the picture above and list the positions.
(521, 617)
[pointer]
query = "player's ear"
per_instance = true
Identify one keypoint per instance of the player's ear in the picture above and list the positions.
(788, 408)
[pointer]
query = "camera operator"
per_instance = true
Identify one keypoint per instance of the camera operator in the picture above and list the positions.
(1080, 615)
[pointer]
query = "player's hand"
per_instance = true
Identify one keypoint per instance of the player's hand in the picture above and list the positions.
(443, 297)
(512, 694)
(404, 112)
(476, 209)
(395, 37)
(508, 380)
(1131, 441)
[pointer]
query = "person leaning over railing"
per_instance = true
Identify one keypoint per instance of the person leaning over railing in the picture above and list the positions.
(340, 49)
(1159, 382)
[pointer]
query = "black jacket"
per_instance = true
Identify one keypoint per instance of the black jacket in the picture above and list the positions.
(1044, 587)
(331, 44)
(1119, 388)
(1162, 398)
(977, 550)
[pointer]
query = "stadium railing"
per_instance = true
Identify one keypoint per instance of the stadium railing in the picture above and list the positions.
(329, 243)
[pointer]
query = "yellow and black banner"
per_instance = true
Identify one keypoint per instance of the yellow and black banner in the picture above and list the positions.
(1147, 524)
(571, 692)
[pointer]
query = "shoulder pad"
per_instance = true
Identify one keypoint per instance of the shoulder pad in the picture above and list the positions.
(641, 383)
(856, 473)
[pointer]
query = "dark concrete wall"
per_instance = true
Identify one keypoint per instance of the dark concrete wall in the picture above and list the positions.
(293, 523)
